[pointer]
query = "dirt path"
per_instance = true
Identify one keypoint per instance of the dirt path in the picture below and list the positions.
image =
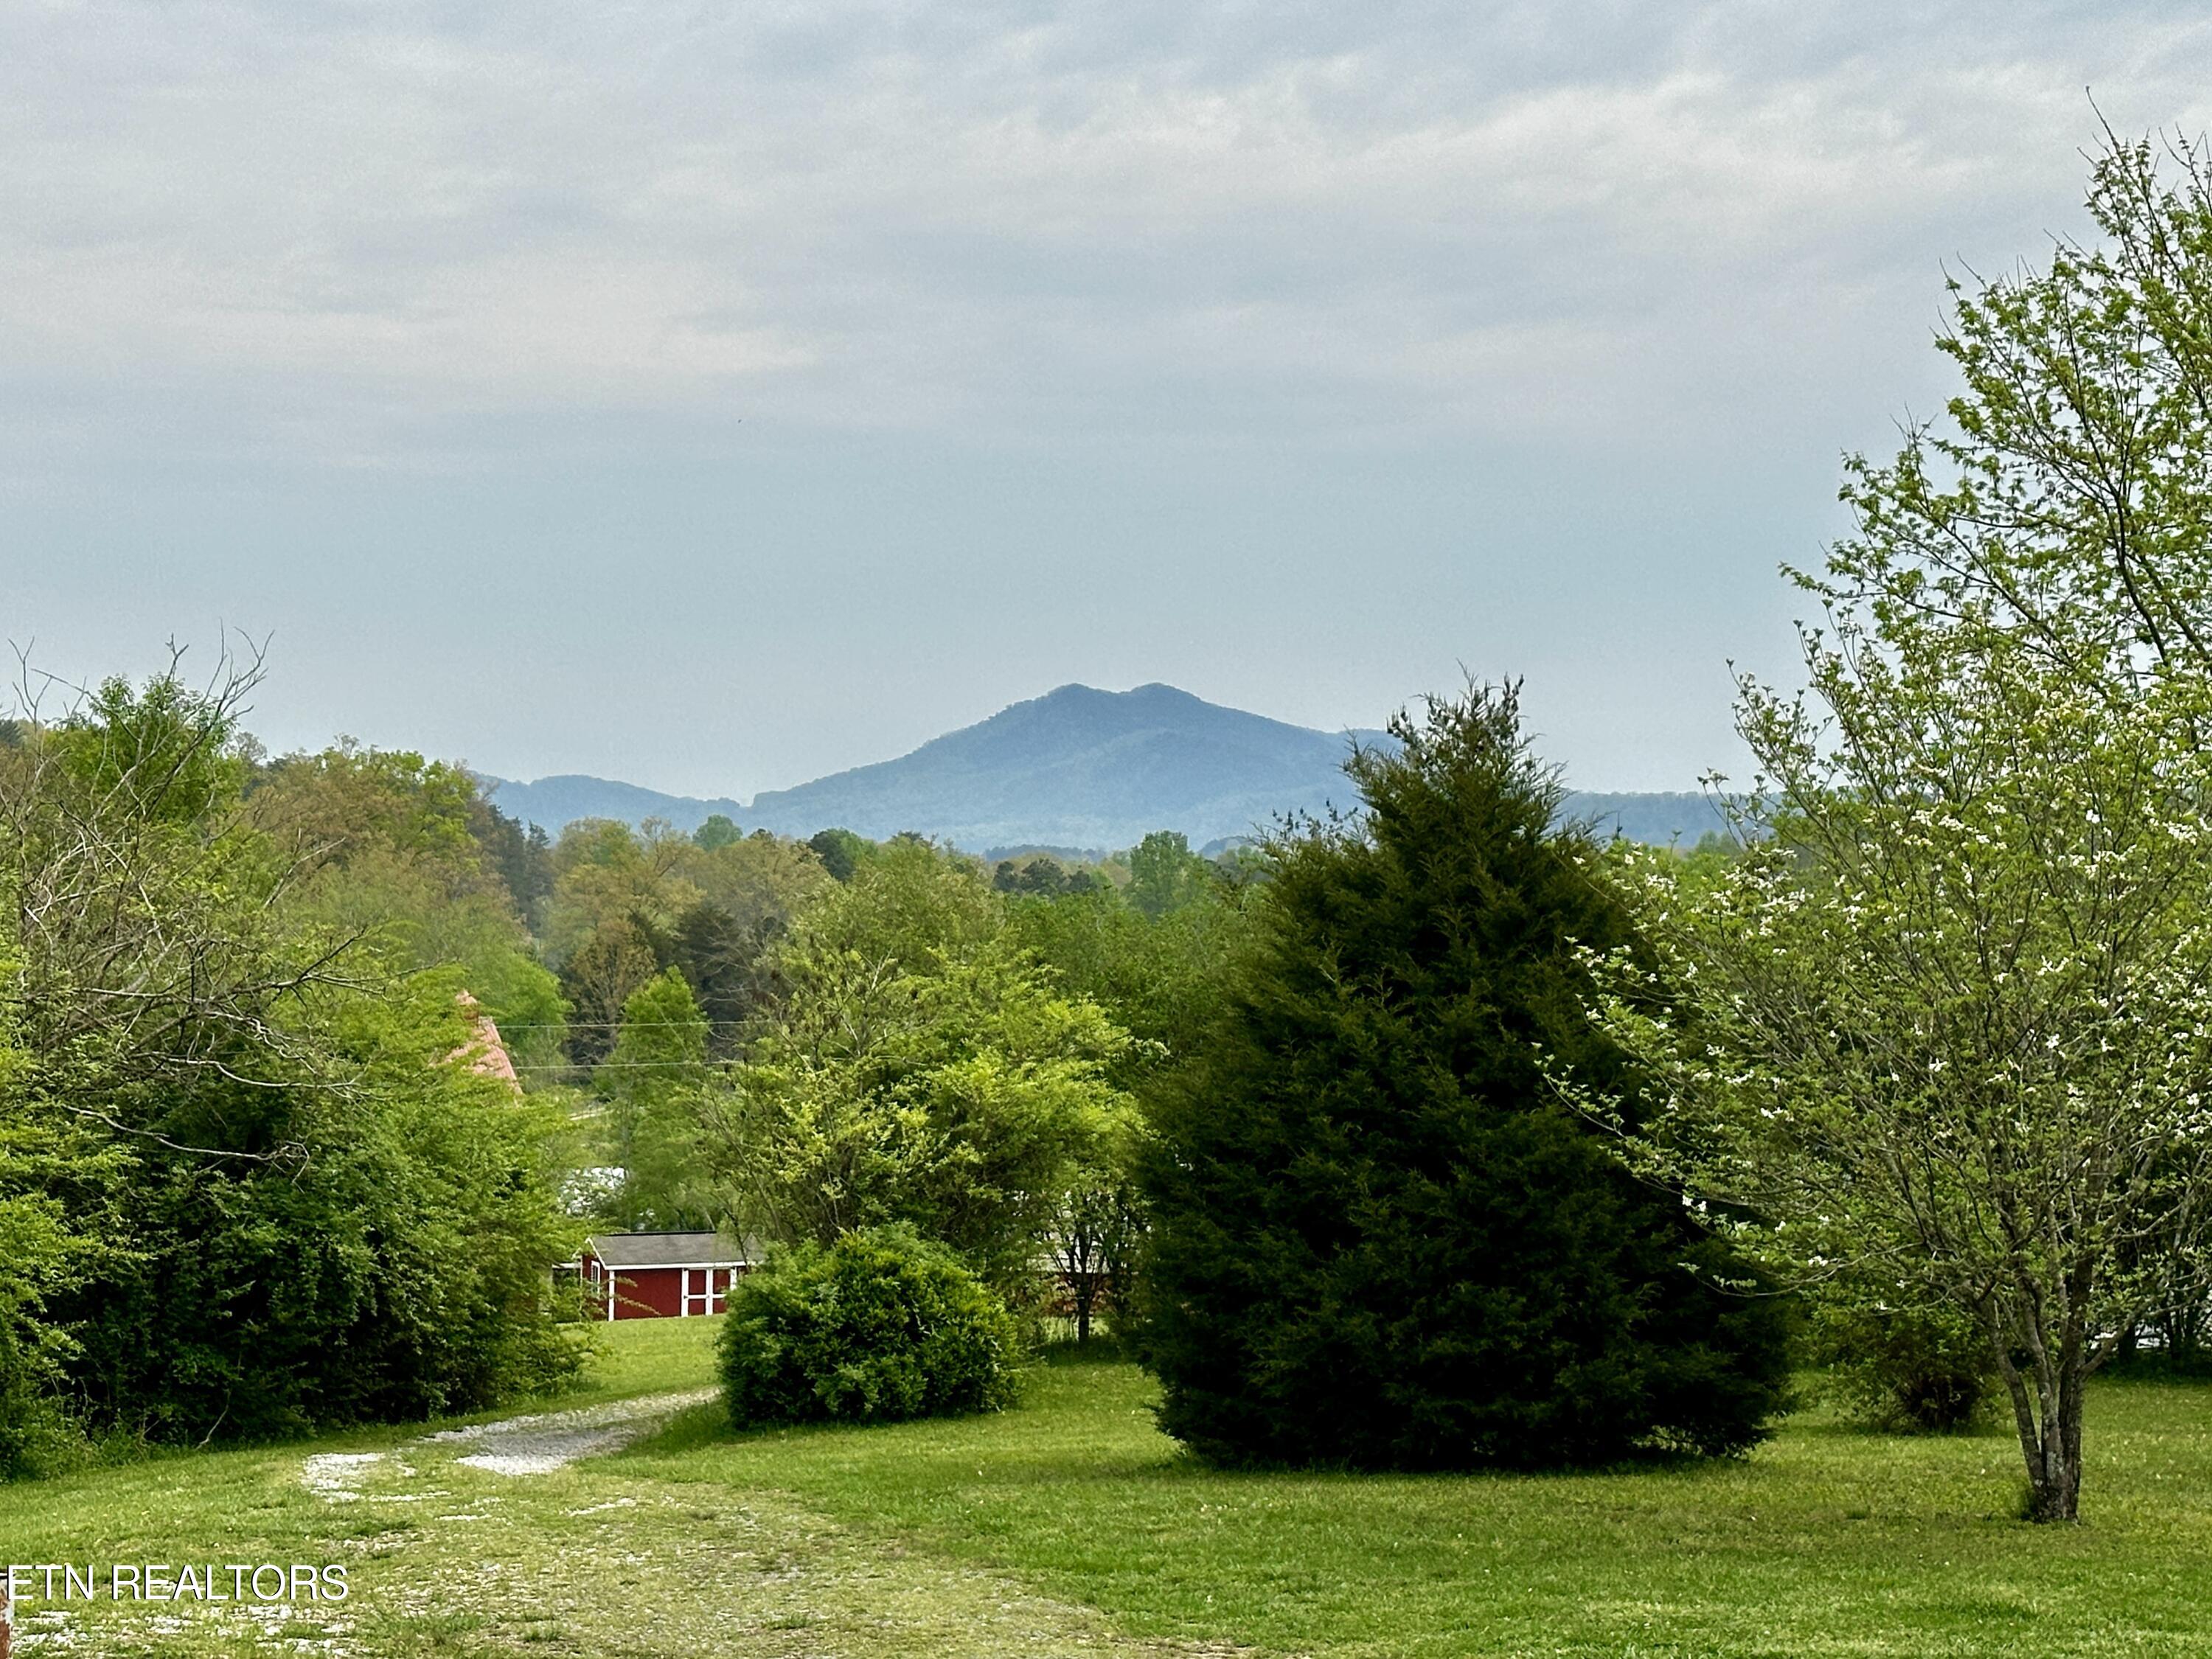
(537, 1443)
(533, 1535)
(552, 1440)
(524, 1536)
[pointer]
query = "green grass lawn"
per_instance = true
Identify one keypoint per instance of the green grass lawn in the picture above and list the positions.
(1069, 1526)
(647, 1356)
(1827, 1541)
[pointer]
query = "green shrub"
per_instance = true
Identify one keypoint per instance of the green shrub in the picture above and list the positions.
(879, 1327)
(395, 1270)
(1913, 1370)
(34, 1436)
(249, 1186)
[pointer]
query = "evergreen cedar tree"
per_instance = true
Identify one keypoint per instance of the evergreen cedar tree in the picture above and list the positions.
(1378, 1240)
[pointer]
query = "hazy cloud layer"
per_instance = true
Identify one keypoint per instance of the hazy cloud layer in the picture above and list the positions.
(1016, 303)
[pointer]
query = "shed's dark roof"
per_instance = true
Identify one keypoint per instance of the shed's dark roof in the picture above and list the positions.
(668, 1251)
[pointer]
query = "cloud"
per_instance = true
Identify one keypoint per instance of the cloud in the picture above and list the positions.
(1020, 218)
(1295, 352)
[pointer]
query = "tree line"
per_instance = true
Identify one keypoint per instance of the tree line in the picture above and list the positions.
(253, 1181)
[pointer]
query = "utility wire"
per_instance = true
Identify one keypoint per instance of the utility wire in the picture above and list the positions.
(620, 1065)
(613, 1024)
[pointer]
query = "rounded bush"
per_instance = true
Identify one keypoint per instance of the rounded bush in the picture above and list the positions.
(880, 1327)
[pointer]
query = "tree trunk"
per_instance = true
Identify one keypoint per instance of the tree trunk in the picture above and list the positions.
(2182, 1348)
(1086, 1291)
(2048, 1415)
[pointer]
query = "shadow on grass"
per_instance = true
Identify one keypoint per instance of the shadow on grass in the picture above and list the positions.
(1100, 1350)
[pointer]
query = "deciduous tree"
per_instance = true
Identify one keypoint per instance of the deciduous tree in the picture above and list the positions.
(921, 1068)
(1949, 1029)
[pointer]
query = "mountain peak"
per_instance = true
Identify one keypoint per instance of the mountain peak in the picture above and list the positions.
(1152, 691)
(1081, 767)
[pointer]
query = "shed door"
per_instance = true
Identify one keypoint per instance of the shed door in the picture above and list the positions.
(698, 1290)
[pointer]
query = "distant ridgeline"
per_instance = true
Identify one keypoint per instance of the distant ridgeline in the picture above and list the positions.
(1075, 772)
(550, 803)
(1657, 819)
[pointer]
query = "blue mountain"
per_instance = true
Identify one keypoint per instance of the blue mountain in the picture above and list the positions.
(552, 802)
(1076, 768)
(1083, 768)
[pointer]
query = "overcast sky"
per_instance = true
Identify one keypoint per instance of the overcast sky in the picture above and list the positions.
(714, 396)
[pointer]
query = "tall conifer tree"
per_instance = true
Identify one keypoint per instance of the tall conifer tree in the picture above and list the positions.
(1378, 1238)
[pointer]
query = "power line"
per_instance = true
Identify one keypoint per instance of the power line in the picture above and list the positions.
(613, 1024)
(621, 1065)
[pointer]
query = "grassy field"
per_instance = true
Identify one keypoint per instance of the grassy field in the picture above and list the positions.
(1828, 1541)
(1070, 1527)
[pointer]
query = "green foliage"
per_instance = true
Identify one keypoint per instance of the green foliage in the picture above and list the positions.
(162, 754)
(1948, 1021)
(1040, 875)
(390, 849)
(1166, 875)
(653, 1080)
(1917, 1369)
(921, 1068)
(248, 1182)
(1096, 1236)
(717, 832)
(664, 1035)
(878, 1327)
(725, 963)
(757, 880)
(521, 855)
(42, 1252)
(841, 851)
(598, 981)
(1377, 1239)
(1162, 977)
(957, 1101)
(911, 905)
(393, 1267)
(608, 876)
(627, 905)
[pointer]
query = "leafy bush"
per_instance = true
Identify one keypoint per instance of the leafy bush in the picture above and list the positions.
(1376, 1238)
(394, 1268)
(879, 1327)
(31, 1422)
(1923, 1369)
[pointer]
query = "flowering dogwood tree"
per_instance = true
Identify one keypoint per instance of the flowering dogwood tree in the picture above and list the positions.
(1948, 1023)
(1945, 1022)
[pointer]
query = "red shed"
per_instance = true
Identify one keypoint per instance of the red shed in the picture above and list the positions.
(660, 1275)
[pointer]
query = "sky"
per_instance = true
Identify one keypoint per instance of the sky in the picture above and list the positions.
(716, 395)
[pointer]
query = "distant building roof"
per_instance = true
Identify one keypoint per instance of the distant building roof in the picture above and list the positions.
(670, 1250)
(484, 1053)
